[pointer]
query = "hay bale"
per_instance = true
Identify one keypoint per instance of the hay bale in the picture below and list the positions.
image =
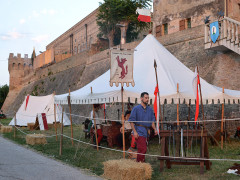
(30, 126)
(33, 139)
(6, 129)
(127, 169)
(58, 124)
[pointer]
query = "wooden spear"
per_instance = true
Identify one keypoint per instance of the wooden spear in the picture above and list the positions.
(155, 67)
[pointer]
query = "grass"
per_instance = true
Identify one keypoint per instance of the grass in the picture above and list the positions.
(88, 158)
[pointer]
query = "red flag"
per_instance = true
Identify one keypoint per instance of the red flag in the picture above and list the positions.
(44, 118)
(27, 101)
(195, 84)
(156, 107)
(144, 15)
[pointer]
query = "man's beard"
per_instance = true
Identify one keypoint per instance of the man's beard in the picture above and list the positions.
(146, 103)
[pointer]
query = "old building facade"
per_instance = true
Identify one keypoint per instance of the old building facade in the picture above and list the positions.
(171, 16)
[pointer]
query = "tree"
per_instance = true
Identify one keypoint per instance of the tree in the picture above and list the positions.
(33, 56)
(112, 12)
(3, 94)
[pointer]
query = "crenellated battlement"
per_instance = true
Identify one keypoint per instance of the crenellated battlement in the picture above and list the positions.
(18, 68)
(18, 62)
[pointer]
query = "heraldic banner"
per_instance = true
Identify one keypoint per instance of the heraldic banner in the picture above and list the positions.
(121, 67)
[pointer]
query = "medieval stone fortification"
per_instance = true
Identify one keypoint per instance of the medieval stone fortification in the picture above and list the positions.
(75, 59)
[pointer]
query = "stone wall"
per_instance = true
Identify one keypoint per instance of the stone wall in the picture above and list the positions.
(78, 38)
(218, 68)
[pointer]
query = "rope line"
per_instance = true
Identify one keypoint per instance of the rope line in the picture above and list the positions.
(150, 155)
(163, 122)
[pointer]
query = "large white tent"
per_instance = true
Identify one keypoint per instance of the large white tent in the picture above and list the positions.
(170, 73)
(36, 105)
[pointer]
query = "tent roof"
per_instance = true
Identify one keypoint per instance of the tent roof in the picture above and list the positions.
(170, 73)
(36, 105)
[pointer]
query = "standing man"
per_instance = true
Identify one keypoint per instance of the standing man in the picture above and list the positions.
(144, 114)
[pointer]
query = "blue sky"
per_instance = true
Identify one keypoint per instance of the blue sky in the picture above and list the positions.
(35, 23)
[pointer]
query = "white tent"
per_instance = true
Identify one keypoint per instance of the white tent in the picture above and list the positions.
(37, 105)
(170, 73)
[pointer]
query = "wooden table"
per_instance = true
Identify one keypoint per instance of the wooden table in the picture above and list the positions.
(204, 154)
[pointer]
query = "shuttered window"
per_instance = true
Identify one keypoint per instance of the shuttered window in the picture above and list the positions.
(158, 30)
(189, 25)
(182, 25)
(165, 29)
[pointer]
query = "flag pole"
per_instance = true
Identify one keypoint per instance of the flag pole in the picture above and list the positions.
(155, 67)
(200, 89)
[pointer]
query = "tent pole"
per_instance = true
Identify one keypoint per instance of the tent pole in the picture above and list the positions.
(55, 116)
(222, 121)
(61, 139)
(123, 130)
(95, 127)
(70, 114)
(201, 100)
(160, 110)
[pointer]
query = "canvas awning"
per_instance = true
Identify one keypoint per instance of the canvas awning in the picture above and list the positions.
(170, 73)
(36, 105)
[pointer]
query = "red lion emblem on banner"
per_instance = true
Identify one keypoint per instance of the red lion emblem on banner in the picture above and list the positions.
(121, 65)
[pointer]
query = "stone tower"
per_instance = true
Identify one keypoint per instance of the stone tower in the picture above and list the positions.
(18, 67)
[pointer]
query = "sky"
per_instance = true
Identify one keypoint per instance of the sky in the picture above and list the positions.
(35, 23)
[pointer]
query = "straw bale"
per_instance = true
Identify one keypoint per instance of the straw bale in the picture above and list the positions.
(33, 139)
(57, 124)
(127, 169)
(31, 126)
(6, 129)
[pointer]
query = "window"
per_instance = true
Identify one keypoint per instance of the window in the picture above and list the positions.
(165, 28)
(182, 25)
(185, 24)
(189, 25)
(158, 30)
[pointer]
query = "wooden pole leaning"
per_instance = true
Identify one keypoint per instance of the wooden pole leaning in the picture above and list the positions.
(222, 121)
(160, 109)
(123, 121)
(70, 115)
(95, 127)
(61, 139)
(15, 122)
(55, 117)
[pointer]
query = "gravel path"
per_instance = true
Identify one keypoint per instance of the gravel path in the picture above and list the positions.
(19, 163)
